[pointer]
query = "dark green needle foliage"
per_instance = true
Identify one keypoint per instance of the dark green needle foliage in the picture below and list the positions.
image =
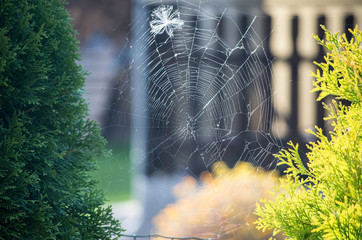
(47, 145)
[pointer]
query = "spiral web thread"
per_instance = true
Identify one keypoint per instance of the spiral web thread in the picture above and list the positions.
(205, 94)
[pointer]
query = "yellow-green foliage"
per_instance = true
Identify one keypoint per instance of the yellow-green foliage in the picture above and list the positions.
(221, 208)
(327, 203)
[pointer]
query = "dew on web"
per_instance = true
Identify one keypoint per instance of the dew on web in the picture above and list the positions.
(198, 92)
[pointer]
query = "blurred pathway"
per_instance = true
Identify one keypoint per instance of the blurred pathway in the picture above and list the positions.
(129, 213)
(136, 216)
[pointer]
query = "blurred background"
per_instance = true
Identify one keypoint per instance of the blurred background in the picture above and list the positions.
(104, 28)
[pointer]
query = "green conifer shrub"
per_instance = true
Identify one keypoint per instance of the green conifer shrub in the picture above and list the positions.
(47, 145)
(327, 203)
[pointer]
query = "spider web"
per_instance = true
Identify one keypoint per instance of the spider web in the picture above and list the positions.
(199, 95)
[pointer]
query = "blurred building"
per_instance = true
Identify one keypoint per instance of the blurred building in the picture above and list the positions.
(103, 27)
(100, 17)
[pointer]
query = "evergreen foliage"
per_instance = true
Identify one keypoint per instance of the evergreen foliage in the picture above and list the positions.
(327, 203)
(47, 145)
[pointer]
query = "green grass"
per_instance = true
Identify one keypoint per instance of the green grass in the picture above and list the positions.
(114, 175)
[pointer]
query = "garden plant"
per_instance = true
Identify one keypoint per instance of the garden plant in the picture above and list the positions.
(47, 144)
(221, 206)
(322, 200)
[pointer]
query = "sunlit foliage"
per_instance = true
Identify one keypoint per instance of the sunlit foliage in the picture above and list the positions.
(326, 202)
